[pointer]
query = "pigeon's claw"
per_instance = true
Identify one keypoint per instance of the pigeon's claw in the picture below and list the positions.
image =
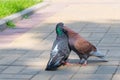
(83, 63)
(67, 63)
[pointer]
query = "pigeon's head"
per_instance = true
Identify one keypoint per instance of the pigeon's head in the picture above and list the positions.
(59, 29)
(55, 61)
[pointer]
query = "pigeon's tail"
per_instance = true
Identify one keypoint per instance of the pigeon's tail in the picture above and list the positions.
(99, 55)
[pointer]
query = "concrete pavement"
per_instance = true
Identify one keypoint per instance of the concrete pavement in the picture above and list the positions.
(24, 51)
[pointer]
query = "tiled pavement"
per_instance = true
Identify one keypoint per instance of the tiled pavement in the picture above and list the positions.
(24, 51)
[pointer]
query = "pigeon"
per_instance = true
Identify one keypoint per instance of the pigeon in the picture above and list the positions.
(60, 49)
(83, 48)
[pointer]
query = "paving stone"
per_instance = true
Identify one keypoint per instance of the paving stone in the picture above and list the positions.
(117, 40)
(114, 29)
(100, 62)
(15, 76)
(92, 77)
(12, 52)
(38, 34)
(62, 76)
(30, 70)
(97, 35)
(109, 45)
(108, 40)
(13, 69)
(77, 27)
(31, 54)
(118, 70)
(113, 53)
(87, 70)
(14, 79)
(106, 70)
(93, 39)
(46, 75)
(116, 77)
(8, 60)
(3, 67)
(114, 58)
(42, 28)
(85, 34)
(73, 55)
(94, 28)
(112, 35)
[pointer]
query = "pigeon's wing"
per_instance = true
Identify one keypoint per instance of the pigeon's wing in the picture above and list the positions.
(83, 45)
(64, 48)
(56, 41)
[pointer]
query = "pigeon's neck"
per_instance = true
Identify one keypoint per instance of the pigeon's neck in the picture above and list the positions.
(59, 31)
(70, 32)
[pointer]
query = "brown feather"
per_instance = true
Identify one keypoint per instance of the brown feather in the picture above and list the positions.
(82, 45)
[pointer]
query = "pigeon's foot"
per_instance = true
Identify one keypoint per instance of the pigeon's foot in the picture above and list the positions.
(84, 63)
(67, 63)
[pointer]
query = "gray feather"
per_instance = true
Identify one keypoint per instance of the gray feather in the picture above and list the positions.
(99, 55)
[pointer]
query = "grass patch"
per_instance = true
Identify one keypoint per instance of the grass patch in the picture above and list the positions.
(8, 7)
(25, 16)
(10, 24)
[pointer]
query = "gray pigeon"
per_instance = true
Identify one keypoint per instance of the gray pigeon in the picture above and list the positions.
(60, 49)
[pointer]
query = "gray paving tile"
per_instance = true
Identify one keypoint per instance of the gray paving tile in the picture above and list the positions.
(43, 75)
(85, 34)
(113, 53)
(107, 40)
(100, 62)
(62, 76)
(116, 77)
(106, 70)
(14, 79)
(118, 70)
(15, 76)
(13, 69)
(30, 70)
(87, 70)
(92, 77)
(8, 60)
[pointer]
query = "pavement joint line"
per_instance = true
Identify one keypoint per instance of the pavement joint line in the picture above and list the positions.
(51, 77)
(17, 59)
(97, 68)
(74, 73)
(9, 64)
(34, 75)
(84, 27)
(103, 36)
(48, 35)
(114, 72)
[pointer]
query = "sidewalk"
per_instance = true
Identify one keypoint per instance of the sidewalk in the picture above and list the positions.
(24, 51)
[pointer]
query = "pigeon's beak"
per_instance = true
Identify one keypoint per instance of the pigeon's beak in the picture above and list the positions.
(54, 63)
(65, 28)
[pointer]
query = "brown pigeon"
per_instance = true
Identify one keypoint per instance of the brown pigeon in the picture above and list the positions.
(82, 47)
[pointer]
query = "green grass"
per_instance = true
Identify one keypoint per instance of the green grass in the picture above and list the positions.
(8, 7)
(10, 24)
